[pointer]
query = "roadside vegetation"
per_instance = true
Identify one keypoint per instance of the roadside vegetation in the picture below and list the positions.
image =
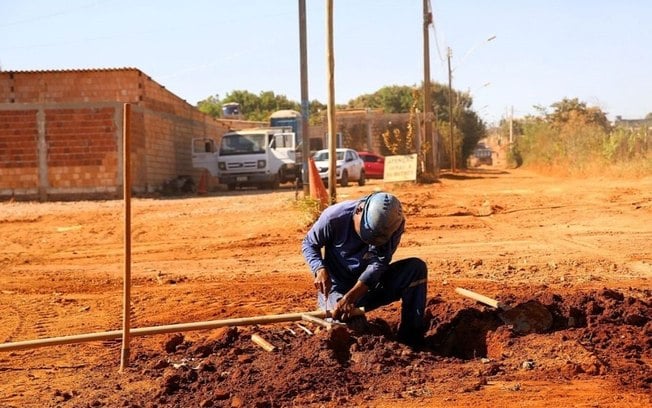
(569, 137)
(404, 104)
(574, 138)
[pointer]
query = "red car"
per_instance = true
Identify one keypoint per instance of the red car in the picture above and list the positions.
(374, 164)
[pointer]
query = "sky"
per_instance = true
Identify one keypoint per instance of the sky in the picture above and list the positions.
(598, 51)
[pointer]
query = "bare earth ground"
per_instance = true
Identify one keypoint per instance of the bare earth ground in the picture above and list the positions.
(582, 247)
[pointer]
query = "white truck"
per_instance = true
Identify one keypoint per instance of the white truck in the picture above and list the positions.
(261, 157)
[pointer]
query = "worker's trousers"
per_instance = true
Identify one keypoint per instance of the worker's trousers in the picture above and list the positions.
(405, 280)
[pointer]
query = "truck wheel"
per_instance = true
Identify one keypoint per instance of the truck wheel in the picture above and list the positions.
(344, 182)
(274, 184)
(362, 180)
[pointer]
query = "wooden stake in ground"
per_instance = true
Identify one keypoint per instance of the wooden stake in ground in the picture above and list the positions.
(126, 182)
(264, 344)
(318, 321)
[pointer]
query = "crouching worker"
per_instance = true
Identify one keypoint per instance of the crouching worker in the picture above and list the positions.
(359, 238)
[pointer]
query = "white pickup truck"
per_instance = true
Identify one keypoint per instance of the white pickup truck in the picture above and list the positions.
(262, 157)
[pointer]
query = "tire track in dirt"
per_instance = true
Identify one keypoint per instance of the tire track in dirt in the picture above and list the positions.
(12, 320)
(637, 267)
(19, 312)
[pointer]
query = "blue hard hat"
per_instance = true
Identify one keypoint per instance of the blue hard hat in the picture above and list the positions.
(382, 215)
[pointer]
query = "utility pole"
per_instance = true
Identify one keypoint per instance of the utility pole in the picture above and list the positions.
(431, 159)
(450, 108)
(511, 125)
(369, 135)
(330, 76)
(305, 103)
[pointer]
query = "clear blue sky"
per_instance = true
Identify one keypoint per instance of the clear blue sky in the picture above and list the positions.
(596, 50)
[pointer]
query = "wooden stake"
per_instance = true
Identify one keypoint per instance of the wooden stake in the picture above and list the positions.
(126, 184)
(316, 320)
(264, 344)
(305, 329)
(172, 328)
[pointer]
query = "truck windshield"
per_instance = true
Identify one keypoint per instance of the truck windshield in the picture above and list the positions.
(283, 139)
(236, 143)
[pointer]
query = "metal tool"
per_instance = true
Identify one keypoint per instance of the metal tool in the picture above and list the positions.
(524, 318)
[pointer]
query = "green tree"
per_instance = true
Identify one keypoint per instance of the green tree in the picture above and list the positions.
(573, 110)
(317, 110)
(211, 106)
(469, 128)
(391, 99)
(252, 107)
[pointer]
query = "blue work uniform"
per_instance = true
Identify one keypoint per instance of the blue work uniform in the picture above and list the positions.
(348, 259)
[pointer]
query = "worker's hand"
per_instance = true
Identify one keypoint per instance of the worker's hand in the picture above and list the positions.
(346, 305)
(343, 308)
(323, 281)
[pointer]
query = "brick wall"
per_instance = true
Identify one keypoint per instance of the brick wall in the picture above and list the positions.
(61, 133)
(82, 148)
(58, 150)
(18, 149)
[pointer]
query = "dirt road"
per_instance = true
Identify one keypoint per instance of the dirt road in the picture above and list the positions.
(579, 246)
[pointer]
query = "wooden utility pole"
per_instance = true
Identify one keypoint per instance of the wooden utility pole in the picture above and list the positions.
(451, 121)
(511, 125)
(330, 74)
(305, 103)
(431, 156)
(126, 196)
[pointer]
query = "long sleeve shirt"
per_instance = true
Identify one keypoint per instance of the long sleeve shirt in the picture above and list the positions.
(346, 257)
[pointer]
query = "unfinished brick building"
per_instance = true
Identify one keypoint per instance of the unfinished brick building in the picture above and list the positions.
(61, 133)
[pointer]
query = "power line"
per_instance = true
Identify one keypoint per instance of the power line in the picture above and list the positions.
(55, 14)
(434, 31)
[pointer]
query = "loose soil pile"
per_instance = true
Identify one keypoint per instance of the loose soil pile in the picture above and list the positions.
(578, 247)
(599, 334)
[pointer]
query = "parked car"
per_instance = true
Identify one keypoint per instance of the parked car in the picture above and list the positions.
(374, 164)
(349, 166)
(481, 155)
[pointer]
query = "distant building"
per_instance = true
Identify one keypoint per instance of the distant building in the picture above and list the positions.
(231, 110)
(633, 123)
(61, 133)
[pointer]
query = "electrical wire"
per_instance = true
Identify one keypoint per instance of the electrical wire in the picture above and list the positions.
(434, 31)
(54, 14)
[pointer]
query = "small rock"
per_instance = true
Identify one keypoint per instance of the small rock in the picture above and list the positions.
(485, 209)
(221, 395)
(515, 387)
(206, 403)
(527, 365)
(171, 343)
(245, 359)
(160, 364)
(236, 402)
(571, 369)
